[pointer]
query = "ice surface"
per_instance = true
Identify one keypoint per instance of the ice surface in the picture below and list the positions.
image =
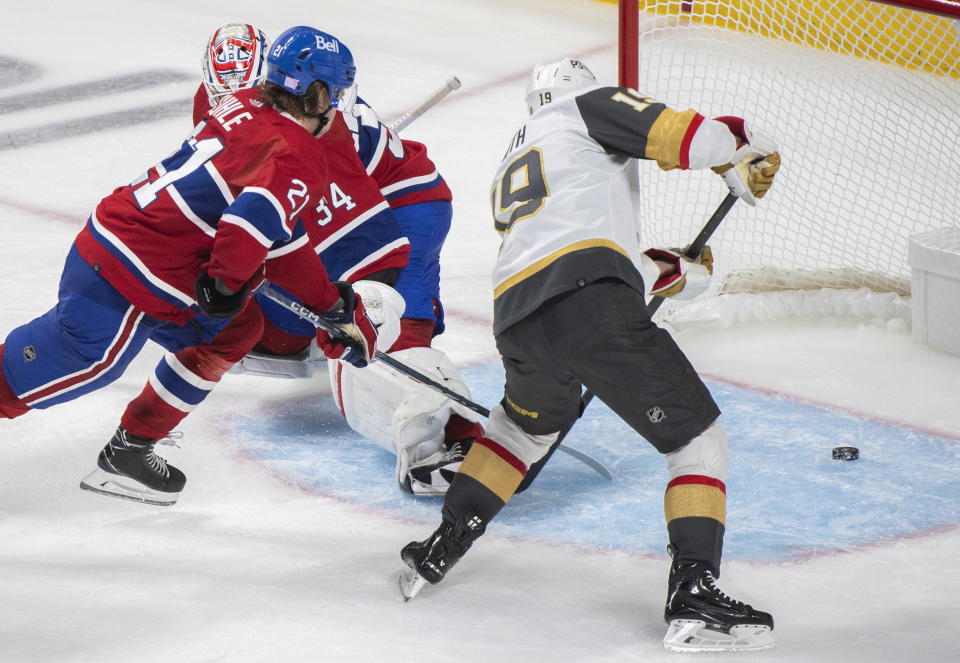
(285, 544)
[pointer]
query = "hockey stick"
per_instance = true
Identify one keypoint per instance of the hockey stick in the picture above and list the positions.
(319, 321)
(699, 242)
(322, 323)
(404, 120)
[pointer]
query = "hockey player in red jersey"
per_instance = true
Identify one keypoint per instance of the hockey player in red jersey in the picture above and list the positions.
(570, 311)
(172, 257)
(363, 243)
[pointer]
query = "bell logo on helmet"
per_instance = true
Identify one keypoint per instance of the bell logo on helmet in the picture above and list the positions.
(325, 44)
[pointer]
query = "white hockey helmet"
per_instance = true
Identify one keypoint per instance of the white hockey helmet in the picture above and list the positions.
(234, 59)
(549, 82)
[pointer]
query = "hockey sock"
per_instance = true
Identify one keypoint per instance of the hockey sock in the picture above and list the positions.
(414, 333)
(695, 507)
(461, 428)
(486, 480)
(179, 384)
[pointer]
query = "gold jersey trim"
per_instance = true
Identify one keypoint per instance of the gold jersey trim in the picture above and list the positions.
(548, 260)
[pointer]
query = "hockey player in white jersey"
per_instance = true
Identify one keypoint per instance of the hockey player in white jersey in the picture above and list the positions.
(570, 312)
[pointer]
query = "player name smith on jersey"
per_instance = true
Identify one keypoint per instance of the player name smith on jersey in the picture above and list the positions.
(585, 141)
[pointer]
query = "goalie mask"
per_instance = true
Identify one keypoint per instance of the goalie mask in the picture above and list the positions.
(234, 59)
(552, 81)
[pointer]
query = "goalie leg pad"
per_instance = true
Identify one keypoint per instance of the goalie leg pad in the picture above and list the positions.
(401, 415)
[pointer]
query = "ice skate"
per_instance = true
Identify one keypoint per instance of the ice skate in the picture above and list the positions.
(703, 618)
(129, 468)
(431, 560)
(432, 475)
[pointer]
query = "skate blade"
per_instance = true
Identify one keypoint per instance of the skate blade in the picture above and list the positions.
(691, 635)
(420, 489)
(112, 485)
(411, 582)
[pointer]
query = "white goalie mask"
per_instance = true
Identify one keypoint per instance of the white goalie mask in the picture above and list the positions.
(552, 81)
(234, 59)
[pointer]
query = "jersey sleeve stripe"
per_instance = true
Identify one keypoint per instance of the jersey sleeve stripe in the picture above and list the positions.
(393, 247)
(374, 160)
(268, 195)
(667, 135)
(288, 247)
(409, 183)
(687, 140)
(248, 227)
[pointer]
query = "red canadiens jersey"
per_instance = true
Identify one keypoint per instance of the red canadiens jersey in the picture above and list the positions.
(358, 234)
(246, 183)
(403, 170)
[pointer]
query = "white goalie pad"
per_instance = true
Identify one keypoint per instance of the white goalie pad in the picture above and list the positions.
(398, 413)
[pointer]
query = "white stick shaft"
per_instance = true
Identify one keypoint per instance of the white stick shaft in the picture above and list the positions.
(404, 120)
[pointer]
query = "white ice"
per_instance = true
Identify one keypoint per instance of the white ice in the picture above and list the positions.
(251, 566)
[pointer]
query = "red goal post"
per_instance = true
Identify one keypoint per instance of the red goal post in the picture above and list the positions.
(864, 98)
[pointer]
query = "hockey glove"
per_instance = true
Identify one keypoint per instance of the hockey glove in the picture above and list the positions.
(688, 278)
(750, 173)
(354, 338)
(217, 300)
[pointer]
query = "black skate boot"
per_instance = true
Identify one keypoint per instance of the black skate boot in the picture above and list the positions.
(431, 560)
(129, 468)
(434, 474)
(703, 618)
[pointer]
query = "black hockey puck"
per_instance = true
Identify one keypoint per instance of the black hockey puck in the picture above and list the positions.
(846, 453)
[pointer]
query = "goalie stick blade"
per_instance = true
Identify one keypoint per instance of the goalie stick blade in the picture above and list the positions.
(691, 635)
(411, 582)
(112, 485)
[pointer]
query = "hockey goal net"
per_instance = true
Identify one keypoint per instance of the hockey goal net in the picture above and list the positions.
(864, 99)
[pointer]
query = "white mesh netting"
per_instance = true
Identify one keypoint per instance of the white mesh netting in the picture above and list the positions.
(863, 99)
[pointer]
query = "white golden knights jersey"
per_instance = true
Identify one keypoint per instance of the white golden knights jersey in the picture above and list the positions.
(566, 201)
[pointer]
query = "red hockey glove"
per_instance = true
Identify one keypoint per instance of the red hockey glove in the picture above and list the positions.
(688, 279)
(355, 338)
